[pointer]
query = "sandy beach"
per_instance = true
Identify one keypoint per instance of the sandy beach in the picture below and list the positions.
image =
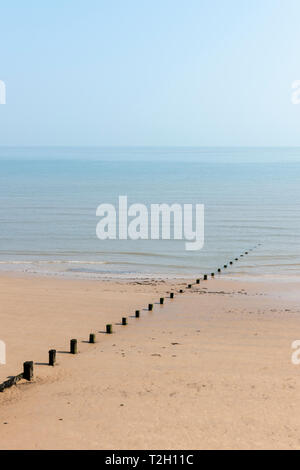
(210, 369)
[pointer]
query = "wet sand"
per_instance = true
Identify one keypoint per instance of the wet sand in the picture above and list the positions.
(209, 370)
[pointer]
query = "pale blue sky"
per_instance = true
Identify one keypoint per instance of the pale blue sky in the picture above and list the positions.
(157, 72)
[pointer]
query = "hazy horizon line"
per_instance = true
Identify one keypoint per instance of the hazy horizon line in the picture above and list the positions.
(191, 154)
(158, 146)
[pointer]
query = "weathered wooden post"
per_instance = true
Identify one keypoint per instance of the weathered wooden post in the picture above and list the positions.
(161, 300)
(205, 277)
(219, 270)
(109, 329)
(189, 286)
(52, 357)
(197, 281)
(28, 370)
(92, 339)
(137, 314)
(172, 295)
(150, 307)
(124, 321)
(73, 346)
(212, 274)
(225, 266)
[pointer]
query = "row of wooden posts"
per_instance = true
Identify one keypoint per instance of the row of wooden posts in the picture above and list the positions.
(28, 365)
(109, 331)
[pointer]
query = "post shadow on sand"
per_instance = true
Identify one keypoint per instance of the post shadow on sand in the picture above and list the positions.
(41, 363)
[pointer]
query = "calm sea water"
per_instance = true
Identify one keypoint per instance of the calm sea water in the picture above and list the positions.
(48, 211)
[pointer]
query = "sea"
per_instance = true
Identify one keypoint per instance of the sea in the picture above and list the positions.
(49, 197)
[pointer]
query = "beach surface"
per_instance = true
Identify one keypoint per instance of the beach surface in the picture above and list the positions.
(210, 369)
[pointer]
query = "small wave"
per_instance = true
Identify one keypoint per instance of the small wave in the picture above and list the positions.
(39, 262)
(88, 253)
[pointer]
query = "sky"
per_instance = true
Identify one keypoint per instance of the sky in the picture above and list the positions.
(149, 72)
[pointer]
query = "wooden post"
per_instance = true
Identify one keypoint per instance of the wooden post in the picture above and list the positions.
(230, 262)
(181, 291)
(28, 370)
(172, 295)
(124, 321)
(225, 266)
(150, 307)
(219, 270)
(73, 346)
(189, 286)
(205, 277)
(212, 274)
(109, 329)
(197, 281)
(92, 339)
(52, 357)
(137, 314)
(161, 300)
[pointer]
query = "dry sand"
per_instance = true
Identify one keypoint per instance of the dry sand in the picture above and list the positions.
(209, 370)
